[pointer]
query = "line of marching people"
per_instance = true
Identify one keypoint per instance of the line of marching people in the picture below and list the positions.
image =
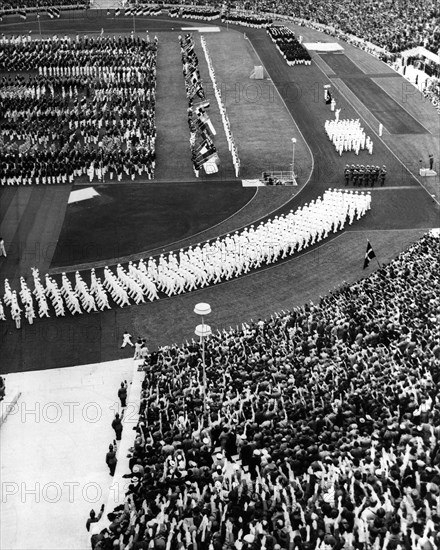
(245, 20)
(204, 13)
(187, 269)
(203, 150)
(289, 46)
(348, 135)
(226, 124)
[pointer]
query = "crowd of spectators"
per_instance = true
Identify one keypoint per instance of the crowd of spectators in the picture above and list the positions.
(85, 109)
(393, 26)
(316, 429)
(289, 46)
(432, 92)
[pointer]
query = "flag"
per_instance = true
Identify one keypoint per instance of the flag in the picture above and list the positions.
(53, 12)
(369, 255)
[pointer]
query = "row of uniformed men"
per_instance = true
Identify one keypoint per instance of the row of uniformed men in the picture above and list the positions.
(225, 119)
(211, 263)
(348, 135)
(364, 175)
(29, 55)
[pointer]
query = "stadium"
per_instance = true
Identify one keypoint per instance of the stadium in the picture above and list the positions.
(219, 275)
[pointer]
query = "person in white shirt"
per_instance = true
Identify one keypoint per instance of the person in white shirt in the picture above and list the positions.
(2, 247)
(126, 339)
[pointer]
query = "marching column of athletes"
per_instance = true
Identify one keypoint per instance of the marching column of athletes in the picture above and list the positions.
(364, 176)
(203, 150)
(188, 269)
(90, 111)
(348, 135)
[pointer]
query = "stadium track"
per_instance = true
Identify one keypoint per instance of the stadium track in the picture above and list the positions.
(401, 212)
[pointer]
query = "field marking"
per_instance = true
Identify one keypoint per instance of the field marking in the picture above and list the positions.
(402, 107)
(395, 230)
(400, 104)
(388, 187)
(372, 78)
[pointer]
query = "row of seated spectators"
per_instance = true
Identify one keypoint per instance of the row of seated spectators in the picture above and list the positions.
(316, 429)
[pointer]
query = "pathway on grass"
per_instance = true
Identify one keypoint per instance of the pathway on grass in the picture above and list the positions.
(256, 112)
(173, 155)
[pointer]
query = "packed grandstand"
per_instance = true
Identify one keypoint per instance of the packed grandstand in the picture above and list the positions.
(317, 428)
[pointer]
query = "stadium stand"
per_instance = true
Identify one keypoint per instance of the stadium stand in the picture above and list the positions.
(321, 428)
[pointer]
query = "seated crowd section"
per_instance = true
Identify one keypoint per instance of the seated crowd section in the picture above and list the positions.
(317, 428)
(85, 109)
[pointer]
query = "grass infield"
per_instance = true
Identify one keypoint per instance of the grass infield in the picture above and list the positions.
(125, 219)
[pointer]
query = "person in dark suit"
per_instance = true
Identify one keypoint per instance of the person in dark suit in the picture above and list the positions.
(122, 394)
(111, 460)
(117, 426)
